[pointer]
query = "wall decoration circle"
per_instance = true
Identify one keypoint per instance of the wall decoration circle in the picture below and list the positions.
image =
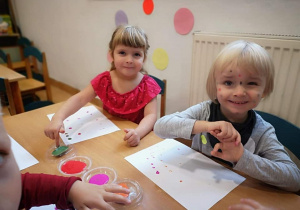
(148, 6)
(183, 21)
(160, 59)
(121, 18)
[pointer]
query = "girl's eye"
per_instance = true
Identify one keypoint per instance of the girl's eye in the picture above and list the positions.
(227, 83)
(137, 54)
(252, 83)
(122, 53)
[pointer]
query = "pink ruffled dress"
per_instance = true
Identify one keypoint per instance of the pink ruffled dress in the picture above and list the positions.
(129, 105)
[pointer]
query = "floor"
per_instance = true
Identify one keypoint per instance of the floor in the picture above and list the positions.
(58, 95)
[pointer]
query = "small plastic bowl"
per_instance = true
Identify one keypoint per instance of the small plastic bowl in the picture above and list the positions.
(135, 195)
(74, 166)
(100, 176)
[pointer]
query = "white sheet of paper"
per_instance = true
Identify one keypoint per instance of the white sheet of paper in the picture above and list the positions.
(46, 207)
(23, 158)
(191, 178)
(86, 123)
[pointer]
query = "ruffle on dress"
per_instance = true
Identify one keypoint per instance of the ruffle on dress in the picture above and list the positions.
(127, 105)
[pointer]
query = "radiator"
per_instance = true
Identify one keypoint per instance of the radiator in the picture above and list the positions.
(284, 101)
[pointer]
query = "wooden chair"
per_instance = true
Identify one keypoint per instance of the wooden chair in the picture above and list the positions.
(30, 85)
(163, 92)
(24, 42)
(286, 132)
(5, 88)
(17, 54)
(6, 59)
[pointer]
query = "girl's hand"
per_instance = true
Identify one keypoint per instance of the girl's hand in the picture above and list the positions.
(230, 151)
(132, 137)
(85, 196)
(53, 129)
(249, 204)
(224, 132)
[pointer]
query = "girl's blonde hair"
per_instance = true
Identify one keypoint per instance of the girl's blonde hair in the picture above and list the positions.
(245, 54)
(130, 36)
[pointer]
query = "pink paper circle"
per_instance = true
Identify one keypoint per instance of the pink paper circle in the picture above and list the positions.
(99, 179)
(183, 21)
(121, 18)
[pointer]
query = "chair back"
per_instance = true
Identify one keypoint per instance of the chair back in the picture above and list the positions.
(163, 85)
(33, 54)
(287, 133)
(6, 58)
(5, 87)
(24, 42)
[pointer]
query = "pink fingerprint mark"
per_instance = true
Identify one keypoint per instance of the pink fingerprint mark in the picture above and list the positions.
(70, 127)
(157, 172)
(99, 179)
(79, 134)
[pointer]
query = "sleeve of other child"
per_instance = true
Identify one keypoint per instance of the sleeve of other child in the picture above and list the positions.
(180, 124)
(45, 189)
(269, 162)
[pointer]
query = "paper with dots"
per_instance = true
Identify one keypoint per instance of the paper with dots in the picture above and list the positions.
(192, 179)
(87, 123)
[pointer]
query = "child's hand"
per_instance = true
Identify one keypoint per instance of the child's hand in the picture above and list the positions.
(86, 196)
(224, 132)
(53, 129)
(230, 151)
(249, 204)
(132, 137)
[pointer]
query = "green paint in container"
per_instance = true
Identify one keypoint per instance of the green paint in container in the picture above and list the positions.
(59, 151)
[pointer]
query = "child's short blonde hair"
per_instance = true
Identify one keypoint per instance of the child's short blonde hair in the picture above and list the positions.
(131, 36)
(243, 54)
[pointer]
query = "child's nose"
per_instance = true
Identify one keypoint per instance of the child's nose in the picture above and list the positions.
(129, 59)
(240, 91)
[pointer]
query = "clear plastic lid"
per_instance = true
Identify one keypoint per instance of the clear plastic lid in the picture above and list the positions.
(100, 176)
(74, 166)
(135, 195)
(55, 154)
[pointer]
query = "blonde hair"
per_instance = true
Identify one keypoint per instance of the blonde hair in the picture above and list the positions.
(243, 54)
(131, 36)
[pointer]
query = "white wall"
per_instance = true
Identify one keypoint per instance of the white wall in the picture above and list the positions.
(75, 33)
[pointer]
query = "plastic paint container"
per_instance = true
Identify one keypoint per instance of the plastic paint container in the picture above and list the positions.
(75, 166)
(135, 195)
(100, 176)
(59, 154)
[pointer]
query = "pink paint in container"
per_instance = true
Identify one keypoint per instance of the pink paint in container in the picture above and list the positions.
(100, 176)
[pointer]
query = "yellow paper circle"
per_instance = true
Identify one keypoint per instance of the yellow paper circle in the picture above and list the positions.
(160, 58)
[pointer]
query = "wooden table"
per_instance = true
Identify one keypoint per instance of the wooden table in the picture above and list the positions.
(110, 150)
(13, 78)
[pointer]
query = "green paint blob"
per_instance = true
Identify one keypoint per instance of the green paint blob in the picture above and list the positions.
(60, 151)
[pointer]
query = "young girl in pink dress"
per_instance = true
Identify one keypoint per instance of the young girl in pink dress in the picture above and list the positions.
(126, 90)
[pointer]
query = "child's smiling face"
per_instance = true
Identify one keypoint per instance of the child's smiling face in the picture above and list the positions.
(128, 60)
(10, 177)
(238, 91)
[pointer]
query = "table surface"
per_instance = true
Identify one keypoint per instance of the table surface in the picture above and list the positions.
(10, 74)
(110, 150)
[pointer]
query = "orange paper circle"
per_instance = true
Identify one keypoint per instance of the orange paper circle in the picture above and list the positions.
(183, 21)
(148, 6)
